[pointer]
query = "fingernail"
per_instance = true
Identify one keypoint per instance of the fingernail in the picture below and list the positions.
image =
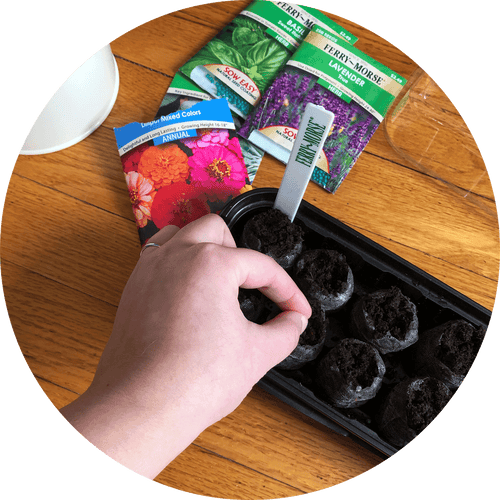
(304, 322)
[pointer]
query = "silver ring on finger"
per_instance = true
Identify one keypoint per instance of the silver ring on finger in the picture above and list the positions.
(148, 245)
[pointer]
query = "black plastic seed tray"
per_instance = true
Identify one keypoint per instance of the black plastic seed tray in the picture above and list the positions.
(374, 268)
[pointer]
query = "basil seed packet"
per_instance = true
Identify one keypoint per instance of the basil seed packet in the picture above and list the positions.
(244, 58)
(327, 71)
(181, 166)
(184, 93)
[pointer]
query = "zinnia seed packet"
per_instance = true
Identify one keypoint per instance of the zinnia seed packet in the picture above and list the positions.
(327, 71)
(184, 93)
(244, 58)
(181, 166)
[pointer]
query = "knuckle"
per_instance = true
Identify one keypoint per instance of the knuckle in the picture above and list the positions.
(216, 220)
(219, 224)
(208, 253)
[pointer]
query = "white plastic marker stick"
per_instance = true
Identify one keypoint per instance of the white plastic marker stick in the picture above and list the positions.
(313, 131)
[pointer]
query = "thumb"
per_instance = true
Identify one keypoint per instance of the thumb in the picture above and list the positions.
(280, 336)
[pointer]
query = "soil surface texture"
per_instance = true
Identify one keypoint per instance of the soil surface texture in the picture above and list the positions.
(390, 312)
(459, 346)
(277, 235)
(356, 363)
(316, 326)
(327, 268)
(425, 401)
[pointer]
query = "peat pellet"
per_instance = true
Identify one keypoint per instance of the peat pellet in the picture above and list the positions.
(447, 352)
(410, 407)
(351, 373)
(271, 232)
(311, 341)
(251, 303)
(324, 275)
(386, 319)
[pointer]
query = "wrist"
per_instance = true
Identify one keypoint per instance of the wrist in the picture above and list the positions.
(143, 437)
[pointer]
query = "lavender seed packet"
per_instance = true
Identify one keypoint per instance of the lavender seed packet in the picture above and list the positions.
(326, 71)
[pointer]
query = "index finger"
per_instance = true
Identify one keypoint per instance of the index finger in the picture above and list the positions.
(256, 270)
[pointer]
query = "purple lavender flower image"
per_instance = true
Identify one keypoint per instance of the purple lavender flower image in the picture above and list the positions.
(284, 103)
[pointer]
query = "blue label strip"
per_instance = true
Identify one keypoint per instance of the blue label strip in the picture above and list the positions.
(182, 134)
(178, 125)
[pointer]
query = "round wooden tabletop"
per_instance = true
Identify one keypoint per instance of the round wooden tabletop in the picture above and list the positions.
(72, 212)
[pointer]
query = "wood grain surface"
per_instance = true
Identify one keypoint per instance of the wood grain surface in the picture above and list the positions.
(62, 286)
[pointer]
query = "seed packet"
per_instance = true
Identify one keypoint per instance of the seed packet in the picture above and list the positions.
(184, 93)
(244, 58)
(328, 72)
(181, 166)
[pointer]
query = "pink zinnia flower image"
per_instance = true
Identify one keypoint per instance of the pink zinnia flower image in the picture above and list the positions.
(142, 193)
(234, 146)
(216, 166)
(208, 137)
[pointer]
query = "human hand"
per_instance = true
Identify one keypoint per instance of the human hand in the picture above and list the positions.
(181, 354)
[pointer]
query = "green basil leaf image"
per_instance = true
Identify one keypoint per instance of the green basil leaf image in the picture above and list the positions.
(269, 56)
(226, 36)
(254, 74)
(245, 22)
(243, 51)
(244, 36)
(226, 54)
(204, 56)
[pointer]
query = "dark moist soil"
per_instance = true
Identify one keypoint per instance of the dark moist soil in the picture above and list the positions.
(425, 403)
(275, 232)
(250, 304)
(315, 326)
(394, 369)
(390, 312)
(356, 363)
(459, 346)
(327, 268)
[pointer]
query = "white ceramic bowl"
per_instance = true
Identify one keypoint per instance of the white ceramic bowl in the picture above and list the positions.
(78, 108)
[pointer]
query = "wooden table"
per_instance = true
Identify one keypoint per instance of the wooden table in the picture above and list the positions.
(62, 286)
